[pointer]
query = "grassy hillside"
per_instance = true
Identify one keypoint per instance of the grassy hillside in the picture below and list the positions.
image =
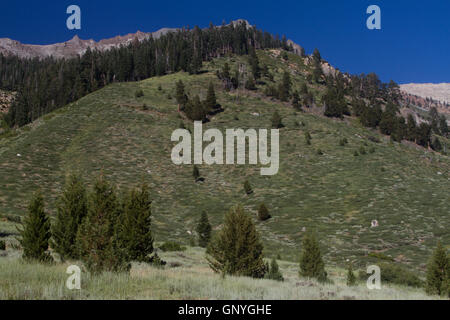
(336, 193)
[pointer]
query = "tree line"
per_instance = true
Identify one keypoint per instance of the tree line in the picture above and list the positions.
(44, 85)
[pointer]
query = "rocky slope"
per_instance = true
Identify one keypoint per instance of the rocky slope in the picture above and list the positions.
(73, 47)
(427, 95)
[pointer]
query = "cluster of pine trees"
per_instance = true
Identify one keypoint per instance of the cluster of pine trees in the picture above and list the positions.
(44, 85)
(194, 108)
(99, 228)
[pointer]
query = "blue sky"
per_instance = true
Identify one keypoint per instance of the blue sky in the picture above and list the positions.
(412, 46)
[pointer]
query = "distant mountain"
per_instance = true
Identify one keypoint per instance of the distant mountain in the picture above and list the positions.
(439, 92)
(73, 47)
(77, 46)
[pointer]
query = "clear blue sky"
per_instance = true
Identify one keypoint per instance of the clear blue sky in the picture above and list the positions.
(413, 45)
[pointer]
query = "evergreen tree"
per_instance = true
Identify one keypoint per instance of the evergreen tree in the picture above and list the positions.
(285, 87)
(317, 66)
(274, 272)
(195, 109)
(71, 210)
(254, 63)
(248, 188)
(99, 236)
(296, 101)
(196, 173)
(263, 212)
(277, 121)
(35, 232)
(237, 248)
(438, 272)
(411, 128)
(351, 278)
(250, 84)
(204, 230)
(136, 232)
(211, 102)
(181, 96)
(311, 263)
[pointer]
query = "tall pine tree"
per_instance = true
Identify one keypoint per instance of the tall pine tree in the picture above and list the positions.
(71, 210)
(204, 230)
(311, 263)
(237, 248)
(35, 232)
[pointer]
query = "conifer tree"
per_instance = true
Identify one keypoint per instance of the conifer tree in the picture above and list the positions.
(211, 102)
(254, 63)
(99, 236)
(181, 96)
(263, 212)
(351, 278)
(71, 210)
(248, 188)
(237, 248)
(438, 272)
(204, 230)
(311, 263)
(277, 121)
(296, 101)
(136, 234)
(196, 173)
(274, 272)
(285, 87)
(35, 232)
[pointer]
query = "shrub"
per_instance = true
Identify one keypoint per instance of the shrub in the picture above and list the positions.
(144, 107)
(2, 245)
(139, 93)
(171, 246)
(319, 152)
(276, 121)
(237, 248)
(263, 213)
(362, 150)
(351, 278)
(343, 142)
(274, 272)
(248, 188)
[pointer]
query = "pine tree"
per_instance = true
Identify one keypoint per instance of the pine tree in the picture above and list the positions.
(276, 121)
(274, 271)
(311, 263)
(98, 237)
(211, 102)
(237, 248)
(254, 63)
(204, 230)
(351, 278)
(296, 101)
(438, 272)
(181, 97)
(196, 173)
(136, 234)
(248, 188)
(263, 212)
(35, 232)
(285, 87)
(71, 210)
